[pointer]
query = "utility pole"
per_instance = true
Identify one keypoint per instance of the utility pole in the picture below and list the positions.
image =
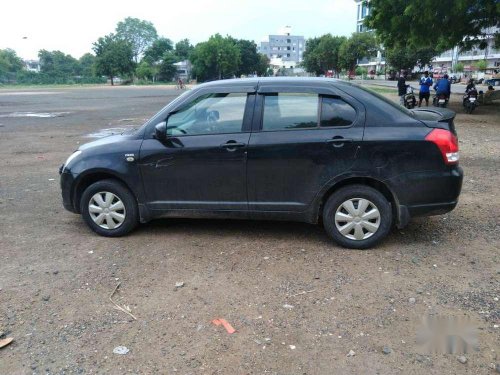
(218, 65)
(454, 58)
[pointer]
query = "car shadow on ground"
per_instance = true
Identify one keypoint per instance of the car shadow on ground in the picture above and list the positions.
(419, 231)
(225, 227)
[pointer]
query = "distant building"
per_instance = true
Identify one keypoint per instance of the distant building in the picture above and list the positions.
(183, 70)
(284, 50)
(374, 63)
(448, 59)
(32, 65)
(363, 10)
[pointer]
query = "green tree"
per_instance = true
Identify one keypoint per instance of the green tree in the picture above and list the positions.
(145, 71)
(166, 68)
(459, 67)
(442, 24)
(322, 54)
(249, 57)
(139, 33)
(216, 58)
(262, 68)
(57, 64)
(358, 46)
(159, 58)
(114, 57)
(404, 57)
(361, 71)
(155, 52)
(481, 65)
(86, 65)
(183, 49)
(310, 61)
(10, 64)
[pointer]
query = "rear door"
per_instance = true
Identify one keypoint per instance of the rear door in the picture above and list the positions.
(302, 137)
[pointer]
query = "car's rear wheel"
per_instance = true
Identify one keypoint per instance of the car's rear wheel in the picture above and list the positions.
(109, 208)
(357, 216)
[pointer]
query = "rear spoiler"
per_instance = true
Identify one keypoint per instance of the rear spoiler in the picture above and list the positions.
(435, 117)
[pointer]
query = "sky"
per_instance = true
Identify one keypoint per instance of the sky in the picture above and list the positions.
(72, 26)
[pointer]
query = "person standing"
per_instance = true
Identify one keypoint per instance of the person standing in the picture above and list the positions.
(425, 85)
(402, 87)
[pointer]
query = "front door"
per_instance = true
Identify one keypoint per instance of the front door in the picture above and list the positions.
(301, 141)
(202, 164)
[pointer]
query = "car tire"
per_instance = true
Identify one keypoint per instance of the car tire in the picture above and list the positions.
(369, 218)
(109, 208)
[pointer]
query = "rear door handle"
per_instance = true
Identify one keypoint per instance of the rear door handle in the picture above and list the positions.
(339, 141)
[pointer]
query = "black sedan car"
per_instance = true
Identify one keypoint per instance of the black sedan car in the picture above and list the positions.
(310, 150)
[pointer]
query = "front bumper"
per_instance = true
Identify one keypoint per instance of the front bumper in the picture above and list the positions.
(66, 181)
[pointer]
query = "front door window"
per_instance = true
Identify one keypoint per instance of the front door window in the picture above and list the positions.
(209, 114)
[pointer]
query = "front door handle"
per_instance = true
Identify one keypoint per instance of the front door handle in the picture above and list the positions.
(339, 141)
(232, 145)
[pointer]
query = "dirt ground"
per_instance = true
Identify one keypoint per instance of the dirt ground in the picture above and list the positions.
(298, 302)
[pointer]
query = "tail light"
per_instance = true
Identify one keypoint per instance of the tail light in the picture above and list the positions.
(447, 143)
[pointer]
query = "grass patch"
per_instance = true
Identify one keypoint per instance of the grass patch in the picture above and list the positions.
(383, 90)
(23, 86)
(48, 86)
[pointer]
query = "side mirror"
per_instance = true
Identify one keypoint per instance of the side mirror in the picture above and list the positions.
(161, 131)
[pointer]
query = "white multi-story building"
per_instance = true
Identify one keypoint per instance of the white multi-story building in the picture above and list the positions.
(374, 63)
(363, 10)
(284, 50)
(448, 59)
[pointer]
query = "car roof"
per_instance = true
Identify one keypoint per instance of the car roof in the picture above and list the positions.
(291, 81)
(378, 107)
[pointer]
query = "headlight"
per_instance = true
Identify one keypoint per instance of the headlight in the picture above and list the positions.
(71, 157)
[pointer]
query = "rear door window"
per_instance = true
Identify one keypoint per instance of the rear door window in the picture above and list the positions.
(288, 111)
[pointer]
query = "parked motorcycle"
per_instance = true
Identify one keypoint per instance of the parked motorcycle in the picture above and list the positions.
(409, 99)
(470, 100)
(440, 100)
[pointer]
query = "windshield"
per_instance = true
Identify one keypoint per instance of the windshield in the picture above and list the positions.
(388, 101)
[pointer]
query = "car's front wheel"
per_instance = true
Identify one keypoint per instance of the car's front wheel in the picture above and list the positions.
(109, 208)
(357, 216)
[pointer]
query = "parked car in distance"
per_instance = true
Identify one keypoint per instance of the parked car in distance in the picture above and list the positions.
(492, 82)
(314, 150)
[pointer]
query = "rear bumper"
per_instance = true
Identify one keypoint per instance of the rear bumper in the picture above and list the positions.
(431, 209)
(427, 193)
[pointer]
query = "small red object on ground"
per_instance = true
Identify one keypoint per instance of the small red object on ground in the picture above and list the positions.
(229, 328)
